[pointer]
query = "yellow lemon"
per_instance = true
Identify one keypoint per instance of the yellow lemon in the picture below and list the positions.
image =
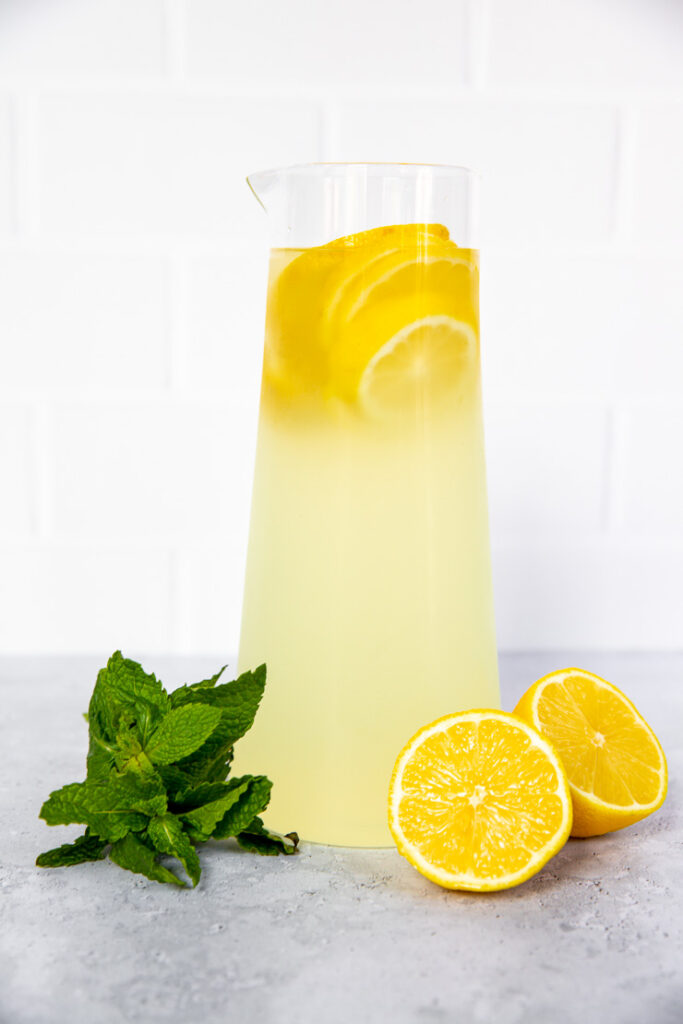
(425, 363)
(383, 293)
(614, 762)
(479, 800)
(335, 309)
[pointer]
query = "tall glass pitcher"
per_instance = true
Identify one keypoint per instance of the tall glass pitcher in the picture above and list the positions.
(368, 585)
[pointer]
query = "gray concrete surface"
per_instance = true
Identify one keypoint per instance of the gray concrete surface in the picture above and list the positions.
(331, 935)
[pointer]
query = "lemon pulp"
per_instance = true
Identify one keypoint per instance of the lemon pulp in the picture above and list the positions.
(615, 764)
(479, 800)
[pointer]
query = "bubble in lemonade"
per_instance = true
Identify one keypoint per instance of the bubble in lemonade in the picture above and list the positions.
(368, 589)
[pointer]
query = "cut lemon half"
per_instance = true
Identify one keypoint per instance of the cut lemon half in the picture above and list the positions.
(425, 363)
(479, 800)
(614, 762)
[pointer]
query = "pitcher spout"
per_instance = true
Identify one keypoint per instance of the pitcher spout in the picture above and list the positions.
(264, 184)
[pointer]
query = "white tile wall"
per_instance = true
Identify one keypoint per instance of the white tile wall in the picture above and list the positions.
(41, 38)
(588, 594)
(658, 210)
(548, 320)
(6, 154)
(613, 44)
(132, 270)
(163, 470)
(322, 45)
(65, 598)
(17, 507)
(532, 153)
(222, 325)
(120, 162)
(653, 484)
(208, 604)
(546, 464)
(81, 321)
(582, 324)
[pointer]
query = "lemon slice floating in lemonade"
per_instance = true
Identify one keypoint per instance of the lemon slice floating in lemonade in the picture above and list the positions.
(385, 320)
(420, 365)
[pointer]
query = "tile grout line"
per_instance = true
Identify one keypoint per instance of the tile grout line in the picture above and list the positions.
(478, 49)
(42, 490)
(172, 609)
(607, 488)
(329, 131)
(175, 316)
(614, 522)
(625, 174)
(176, 81)
(174, 36)
(14, 162)
(25, 177)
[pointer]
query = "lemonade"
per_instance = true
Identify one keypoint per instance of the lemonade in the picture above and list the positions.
(368, 589)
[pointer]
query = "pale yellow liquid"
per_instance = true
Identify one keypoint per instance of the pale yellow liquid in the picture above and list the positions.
(368, 595)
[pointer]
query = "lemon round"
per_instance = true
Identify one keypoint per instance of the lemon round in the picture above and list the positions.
(345, 317)
(479, 800)
(424, 364)
(614, 762)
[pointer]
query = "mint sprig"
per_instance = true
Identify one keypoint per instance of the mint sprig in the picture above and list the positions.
(157, 775)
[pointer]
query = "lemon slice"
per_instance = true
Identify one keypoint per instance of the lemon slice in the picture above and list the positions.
(615, 764)
(394, 234)
(335, 311)
(435, 268)
(479, 800)
(424, 364)
(380, 294)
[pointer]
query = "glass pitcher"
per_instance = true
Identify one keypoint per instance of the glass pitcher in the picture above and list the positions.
(368, 584)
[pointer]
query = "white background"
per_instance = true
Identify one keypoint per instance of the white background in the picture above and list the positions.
(132, 262)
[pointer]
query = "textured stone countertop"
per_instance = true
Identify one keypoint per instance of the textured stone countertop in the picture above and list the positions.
(331, 934)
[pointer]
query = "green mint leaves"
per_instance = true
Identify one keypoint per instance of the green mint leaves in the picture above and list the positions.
(157, 775)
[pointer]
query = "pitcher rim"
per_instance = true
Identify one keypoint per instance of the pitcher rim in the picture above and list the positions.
(312, 164)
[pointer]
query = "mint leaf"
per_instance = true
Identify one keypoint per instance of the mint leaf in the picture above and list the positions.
(111, 807)
(177, 697)
(252, 801)
(124, 691)
(196, 796)
(168, 837)
(156, 771)
(174, 779)
(258, 839)
(129, 755)
(101, 759)
(203, 820)
(211, 763)
(212, 681)
(86, 847)
(209, 682)
(181, 733)
(134, 855)
(238, 700)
